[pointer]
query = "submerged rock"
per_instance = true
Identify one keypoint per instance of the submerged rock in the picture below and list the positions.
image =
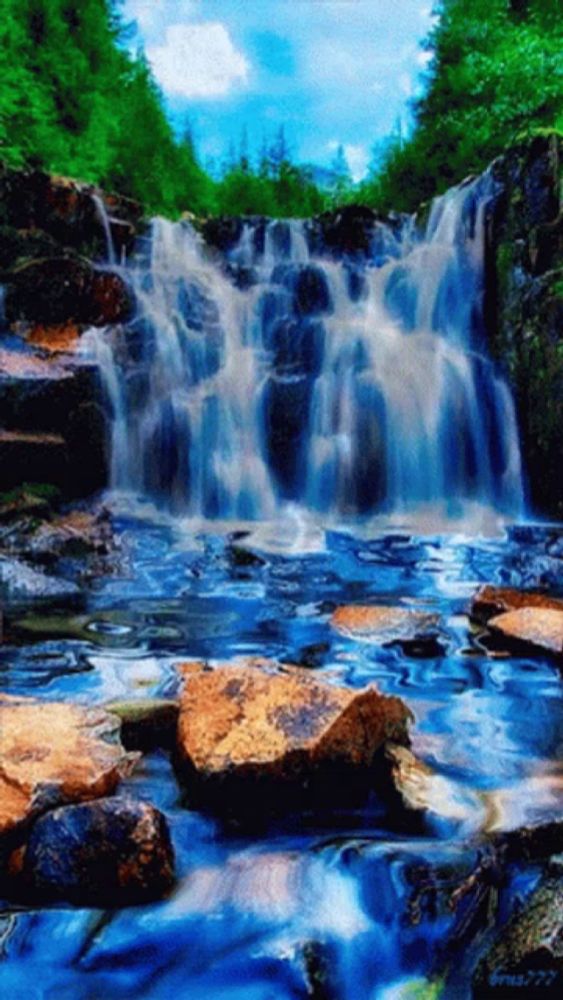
(114, 851)
(539, 628)
(490, 601)
(253, 736)
(387, 625)
(526, 960)
(53, 753)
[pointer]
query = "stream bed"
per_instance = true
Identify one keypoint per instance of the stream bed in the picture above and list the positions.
(352, 907)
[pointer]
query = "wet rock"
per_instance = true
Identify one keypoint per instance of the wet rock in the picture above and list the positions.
(386, 625)
(75, 534)
(55, 422)
(114, 851)
(490, 601)
(221, 232)
(19, 582)
(60, 339)
(526, 960)
(29, 499)
(146, 723)
(61, 290)
(32, 457)
(53, 753)
(67, 211)
(540, 629)
(346, 230)
(430, 797)
(524, 303)
(254, 736)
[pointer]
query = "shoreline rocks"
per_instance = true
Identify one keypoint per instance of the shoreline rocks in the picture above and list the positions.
(257, 738)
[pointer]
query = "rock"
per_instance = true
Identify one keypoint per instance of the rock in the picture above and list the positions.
(61, 339)
(28, 499)
(539, 628)
(222, 232)
(146, 723)
(526, 960)
(67, 211)
(524, 303)
(32, 457)
(385, 625)
(76, 534)
(490, 601)
(62, 290)
(19, 582)
(53, 753)
(255, 737)
(433, 797)
(56, 422)
(111, 852)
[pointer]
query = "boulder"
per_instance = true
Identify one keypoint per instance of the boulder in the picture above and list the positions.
(255, 737)
(490, 601)
(526, 960)
(385, 625)
(110, 852)
(53, 753)
(540, 629)
(62, 290)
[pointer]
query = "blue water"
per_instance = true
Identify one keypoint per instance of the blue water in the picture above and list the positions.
(247, 909)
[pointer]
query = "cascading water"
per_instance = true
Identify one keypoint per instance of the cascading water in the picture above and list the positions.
(275, 375)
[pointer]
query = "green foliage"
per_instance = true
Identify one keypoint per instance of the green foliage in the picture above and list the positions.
(74, 101)
(496, 76)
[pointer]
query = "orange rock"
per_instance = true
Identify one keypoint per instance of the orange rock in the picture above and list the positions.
(382, 624)
(538, 627)
(62, 338)
(252, 720)
(53, 753)
(490, 601)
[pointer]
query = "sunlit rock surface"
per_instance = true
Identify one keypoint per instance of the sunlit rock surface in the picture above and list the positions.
(539, 628)
(254, 728)
(112, 851)
(53, 753)
(490, 601)
(383, 625)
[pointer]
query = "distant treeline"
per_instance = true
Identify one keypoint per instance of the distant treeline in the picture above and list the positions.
(75, 101)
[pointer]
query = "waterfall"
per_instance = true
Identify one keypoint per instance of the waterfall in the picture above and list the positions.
(350, 384)
(102, 212)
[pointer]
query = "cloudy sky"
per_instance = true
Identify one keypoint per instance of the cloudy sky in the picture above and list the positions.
(331, 71)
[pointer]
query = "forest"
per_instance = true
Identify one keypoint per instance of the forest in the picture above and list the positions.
(75, 101)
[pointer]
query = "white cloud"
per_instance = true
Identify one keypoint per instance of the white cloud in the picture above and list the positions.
(198, 61)
(358, 160)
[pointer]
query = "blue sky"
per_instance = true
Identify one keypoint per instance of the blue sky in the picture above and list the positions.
(331, 71)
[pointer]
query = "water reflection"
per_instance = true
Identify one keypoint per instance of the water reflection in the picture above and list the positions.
(262, 918)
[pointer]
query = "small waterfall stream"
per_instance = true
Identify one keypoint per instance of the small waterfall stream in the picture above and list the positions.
(277, 375)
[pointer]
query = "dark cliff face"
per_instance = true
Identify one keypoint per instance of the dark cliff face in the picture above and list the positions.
(524, 305)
